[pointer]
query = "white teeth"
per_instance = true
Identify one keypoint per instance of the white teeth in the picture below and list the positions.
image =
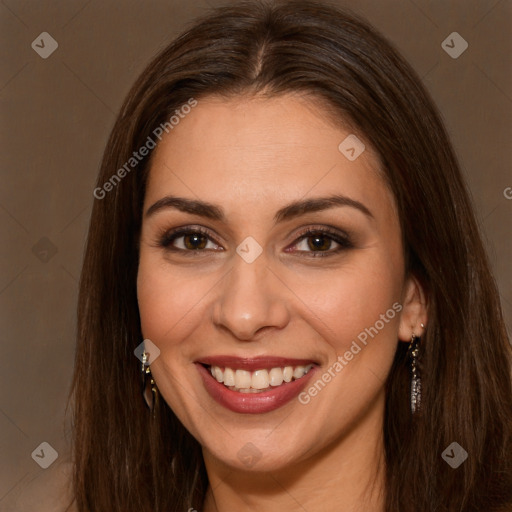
(229, 377)
(242, 379)
(218, 374)
(260, 379)
(298, 372)
(276, 376)
(254, 382)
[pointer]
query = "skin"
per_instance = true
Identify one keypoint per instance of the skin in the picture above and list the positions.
(252, 156)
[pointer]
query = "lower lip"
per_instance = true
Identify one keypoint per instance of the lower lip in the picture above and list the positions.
(253, 403)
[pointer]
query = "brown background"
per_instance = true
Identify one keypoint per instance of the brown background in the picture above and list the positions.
(56, 116)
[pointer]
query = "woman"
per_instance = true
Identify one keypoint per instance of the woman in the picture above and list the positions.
(282, 236)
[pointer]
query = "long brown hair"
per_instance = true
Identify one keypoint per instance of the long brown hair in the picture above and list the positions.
(126, 461)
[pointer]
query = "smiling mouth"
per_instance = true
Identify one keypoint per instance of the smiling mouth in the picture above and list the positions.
(255, 385)
(257, 381)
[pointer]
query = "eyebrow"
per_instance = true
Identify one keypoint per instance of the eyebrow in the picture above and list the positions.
(290, 211)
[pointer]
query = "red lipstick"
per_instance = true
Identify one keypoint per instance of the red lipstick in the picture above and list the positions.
(263, 401)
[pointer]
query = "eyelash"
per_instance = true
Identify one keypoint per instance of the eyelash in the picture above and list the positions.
(343, 240)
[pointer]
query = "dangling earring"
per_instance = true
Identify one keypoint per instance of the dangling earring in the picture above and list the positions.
(413, 351)
(149, 390)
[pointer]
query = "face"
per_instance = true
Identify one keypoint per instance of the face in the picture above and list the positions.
(280, 270)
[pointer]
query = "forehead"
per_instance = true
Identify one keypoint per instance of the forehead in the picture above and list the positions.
(259, 150)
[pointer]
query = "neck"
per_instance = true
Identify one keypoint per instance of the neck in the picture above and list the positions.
(348, 474)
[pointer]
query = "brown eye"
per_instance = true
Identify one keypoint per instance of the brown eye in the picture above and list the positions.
(194, 241)
(319, 242)
(188, 240)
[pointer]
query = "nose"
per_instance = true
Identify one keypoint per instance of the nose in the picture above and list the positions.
(251, 299)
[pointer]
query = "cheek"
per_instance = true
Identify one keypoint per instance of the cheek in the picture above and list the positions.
(169, 302)
(359, 301)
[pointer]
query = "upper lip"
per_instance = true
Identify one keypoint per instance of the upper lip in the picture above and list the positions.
(253, 363)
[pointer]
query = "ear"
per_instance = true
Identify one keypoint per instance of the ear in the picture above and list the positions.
(415, 310)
